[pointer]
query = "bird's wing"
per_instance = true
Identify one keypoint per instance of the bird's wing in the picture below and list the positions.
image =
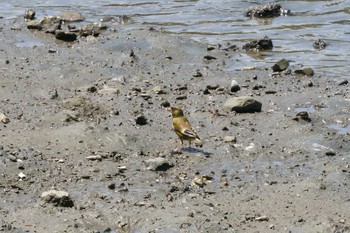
(187, 129)
(189, 133)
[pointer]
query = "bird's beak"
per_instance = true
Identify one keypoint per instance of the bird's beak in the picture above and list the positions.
(168, 109)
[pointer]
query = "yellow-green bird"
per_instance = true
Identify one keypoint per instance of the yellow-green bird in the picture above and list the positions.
(182, 127)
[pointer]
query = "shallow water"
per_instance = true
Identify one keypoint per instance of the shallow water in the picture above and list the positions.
(223, 21)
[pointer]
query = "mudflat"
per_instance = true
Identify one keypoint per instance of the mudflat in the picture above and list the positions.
(87, 144)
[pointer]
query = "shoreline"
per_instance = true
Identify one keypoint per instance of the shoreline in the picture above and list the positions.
(74, 127)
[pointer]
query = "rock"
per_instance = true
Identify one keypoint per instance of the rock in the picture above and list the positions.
(12, 158)
(302, 115)
(262, 218)
(4, 119)
(230, 139)
(212, 86)
(157, 164)
(22, 175)
(234, 86)
(281, 65)
(197, 74)
(305, 71)
(92, 29)
(34, 24)
(258, 45)
(29, 14)
(209, 57)
(159, 90)
(201, 180)
(106, 90)
(57, 198)
(320, 44)
(141, 120)
(243, 104)
(72, 16)
(94, 157)
(48, 24)
(65, 36)
(343, 82)
(266, 11)
(330, 153)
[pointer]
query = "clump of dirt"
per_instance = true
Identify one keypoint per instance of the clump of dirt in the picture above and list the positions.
(83, 108)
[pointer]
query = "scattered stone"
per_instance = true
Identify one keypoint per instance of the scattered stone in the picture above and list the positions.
(94, 157)
(197, 74)
(92, 29)
(303, 116)
(258, 45)
(330, 153)
(243, 104)
(72, 16)
(123, 19)
(320, 44)
(107, 19)
(65, 36)
(165, 104)
(106, 90)
(305, 71)
(57, 198)
(212, 86)
(159, 90)
(262, 218)
(343, 82)
(22, 175)
(208, 57)
(12, 158)
(4, 119)
(230, 139)
(266, 11)
(141, 120)
(270, 92)
(29, 14)
(157, 164)
(34, 24)
(281, 65)
(234, 86)
(201, 180)
(111, 186)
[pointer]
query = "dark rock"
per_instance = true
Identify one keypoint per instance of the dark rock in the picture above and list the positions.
(303, 116)
(281, 65)
(234, 86)
(305, 71)
(157, 164)
(320, 44)
(243, 104)
(197, 74)
(72, 16)
(57, 198)
(208, 57)
(343, 82)
(262, 44)
(165, 104)
(266, 11)
(65, 36)
(330, 153)
(29, 14)
(141, 120)
(111, 186)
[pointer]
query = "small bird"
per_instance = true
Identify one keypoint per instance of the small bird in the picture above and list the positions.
(182, 127)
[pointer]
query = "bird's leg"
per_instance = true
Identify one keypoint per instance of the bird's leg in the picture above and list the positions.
(178, 150)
